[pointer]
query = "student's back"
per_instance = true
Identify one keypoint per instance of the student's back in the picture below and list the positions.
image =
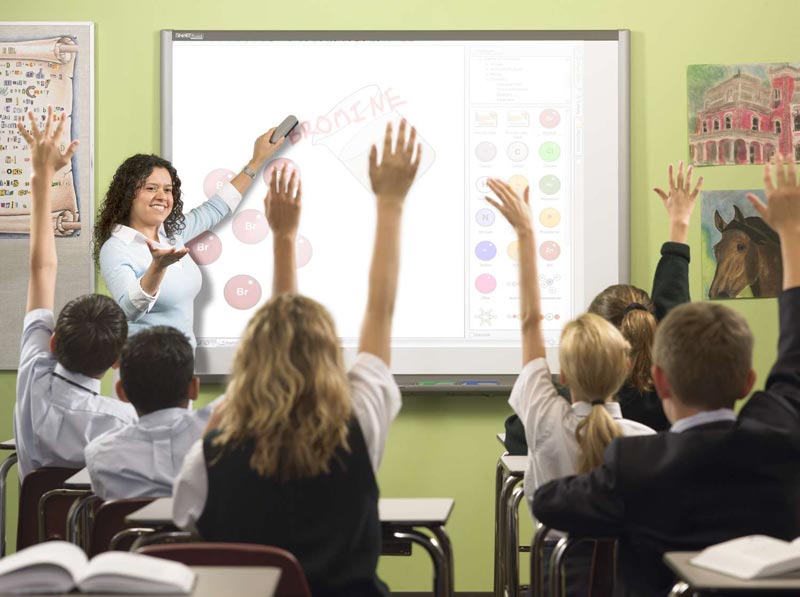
(143, 459)
(58, 408)
(330, 521)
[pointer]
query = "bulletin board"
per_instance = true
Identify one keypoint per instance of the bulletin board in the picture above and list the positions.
(44, 63)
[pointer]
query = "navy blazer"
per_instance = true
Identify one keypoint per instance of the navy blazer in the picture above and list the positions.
(686, 491)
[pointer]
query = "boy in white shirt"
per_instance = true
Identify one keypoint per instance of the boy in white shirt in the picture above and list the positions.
(142, 459)
(58, 408)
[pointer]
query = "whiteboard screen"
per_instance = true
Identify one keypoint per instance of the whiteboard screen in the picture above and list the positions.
(541, 109)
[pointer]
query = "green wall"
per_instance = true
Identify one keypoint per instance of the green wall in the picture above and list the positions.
(446, 446)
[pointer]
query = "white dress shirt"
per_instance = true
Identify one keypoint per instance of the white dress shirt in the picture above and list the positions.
(142, 459)
(125, 258)
(703, 418)
(57, 411)
(376, 402)
(550, 423)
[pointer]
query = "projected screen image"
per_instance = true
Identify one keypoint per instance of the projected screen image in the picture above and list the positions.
(511, 109)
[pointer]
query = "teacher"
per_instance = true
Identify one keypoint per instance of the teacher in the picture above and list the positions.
(141, 231)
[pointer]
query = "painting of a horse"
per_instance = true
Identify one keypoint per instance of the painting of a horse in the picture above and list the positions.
(747, 254)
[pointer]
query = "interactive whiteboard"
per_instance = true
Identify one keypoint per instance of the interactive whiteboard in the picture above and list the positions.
(542, 109)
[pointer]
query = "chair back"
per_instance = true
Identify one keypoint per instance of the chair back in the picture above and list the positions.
(109, 520)
(34, 486)
(293, 581)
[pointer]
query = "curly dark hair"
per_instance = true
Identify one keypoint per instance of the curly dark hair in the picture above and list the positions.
(127, 180)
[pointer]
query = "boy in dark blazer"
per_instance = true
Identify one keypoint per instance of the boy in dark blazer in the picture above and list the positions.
(713, 476)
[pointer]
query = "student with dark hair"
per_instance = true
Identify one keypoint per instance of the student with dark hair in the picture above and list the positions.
(714, 476)
(58, 408)
(142, 459)
(636, 314)
(141, 232)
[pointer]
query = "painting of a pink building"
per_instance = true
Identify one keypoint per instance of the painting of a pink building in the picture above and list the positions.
(745, 118)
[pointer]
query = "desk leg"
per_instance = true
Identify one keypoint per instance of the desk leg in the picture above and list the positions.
(511, 557)
(444, 542)
(431, 545)
(78, 527)
(499, 478)
(509, 483)
(680, 588)
(4, 468)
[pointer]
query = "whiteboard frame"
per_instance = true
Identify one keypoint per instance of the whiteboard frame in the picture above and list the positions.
(216, 362)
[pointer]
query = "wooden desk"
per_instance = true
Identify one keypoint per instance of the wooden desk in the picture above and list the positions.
(701, 580)
(508, 494)
(403, 519)
(213, 581)
(9, 445)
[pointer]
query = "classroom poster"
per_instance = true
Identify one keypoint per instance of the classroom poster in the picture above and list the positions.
(741, 254)
(44, 63)
(35, 72)
(743, 113)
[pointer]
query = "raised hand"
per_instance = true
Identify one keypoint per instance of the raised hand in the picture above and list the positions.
(782, 211)
(392, 178)
(517, 211)
(163, 258)
(680, 201)
(45, 144)
(283, 202)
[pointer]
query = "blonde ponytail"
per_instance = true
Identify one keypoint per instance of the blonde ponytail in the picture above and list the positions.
(594, 433)
(594, 360)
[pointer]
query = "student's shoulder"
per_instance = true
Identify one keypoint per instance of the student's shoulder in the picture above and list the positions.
(632, 428)
(108, 442)
(103, 407)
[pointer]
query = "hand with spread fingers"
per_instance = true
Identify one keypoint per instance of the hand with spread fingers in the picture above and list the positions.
(782, 213)
(782, 210)
(517, 211)
(680, 201)
(45, 144)
(283, 202)
(392, 177)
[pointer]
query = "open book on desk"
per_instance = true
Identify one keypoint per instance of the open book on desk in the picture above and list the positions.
(59, 567)
(754, 556)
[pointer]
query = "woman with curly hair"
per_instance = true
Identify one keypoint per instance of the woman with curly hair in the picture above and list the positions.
(141, 231)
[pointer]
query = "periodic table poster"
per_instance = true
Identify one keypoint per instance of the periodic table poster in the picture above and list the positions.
(44, 64)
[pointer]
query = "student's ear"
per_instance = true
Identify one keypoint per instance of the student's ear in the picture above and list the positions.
(53, 342)
(115, 364)
(664, 392)
(661, 383)
(749, 383)
(121, 392)
(194, 388)
(562, 379)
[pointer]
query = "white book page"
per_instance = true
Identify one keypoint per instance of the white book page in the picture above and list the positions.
(116, 571)
(49, 566)
(750, 557)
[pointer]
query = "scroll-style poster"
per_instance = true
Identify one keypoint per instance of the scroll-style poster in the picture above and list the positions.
(34, 73)
(40, 64)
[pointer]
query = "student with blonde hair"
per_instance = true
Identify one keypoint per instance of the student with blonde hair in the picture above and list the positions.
(294, 448)
(562, 438)
(635, 313)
